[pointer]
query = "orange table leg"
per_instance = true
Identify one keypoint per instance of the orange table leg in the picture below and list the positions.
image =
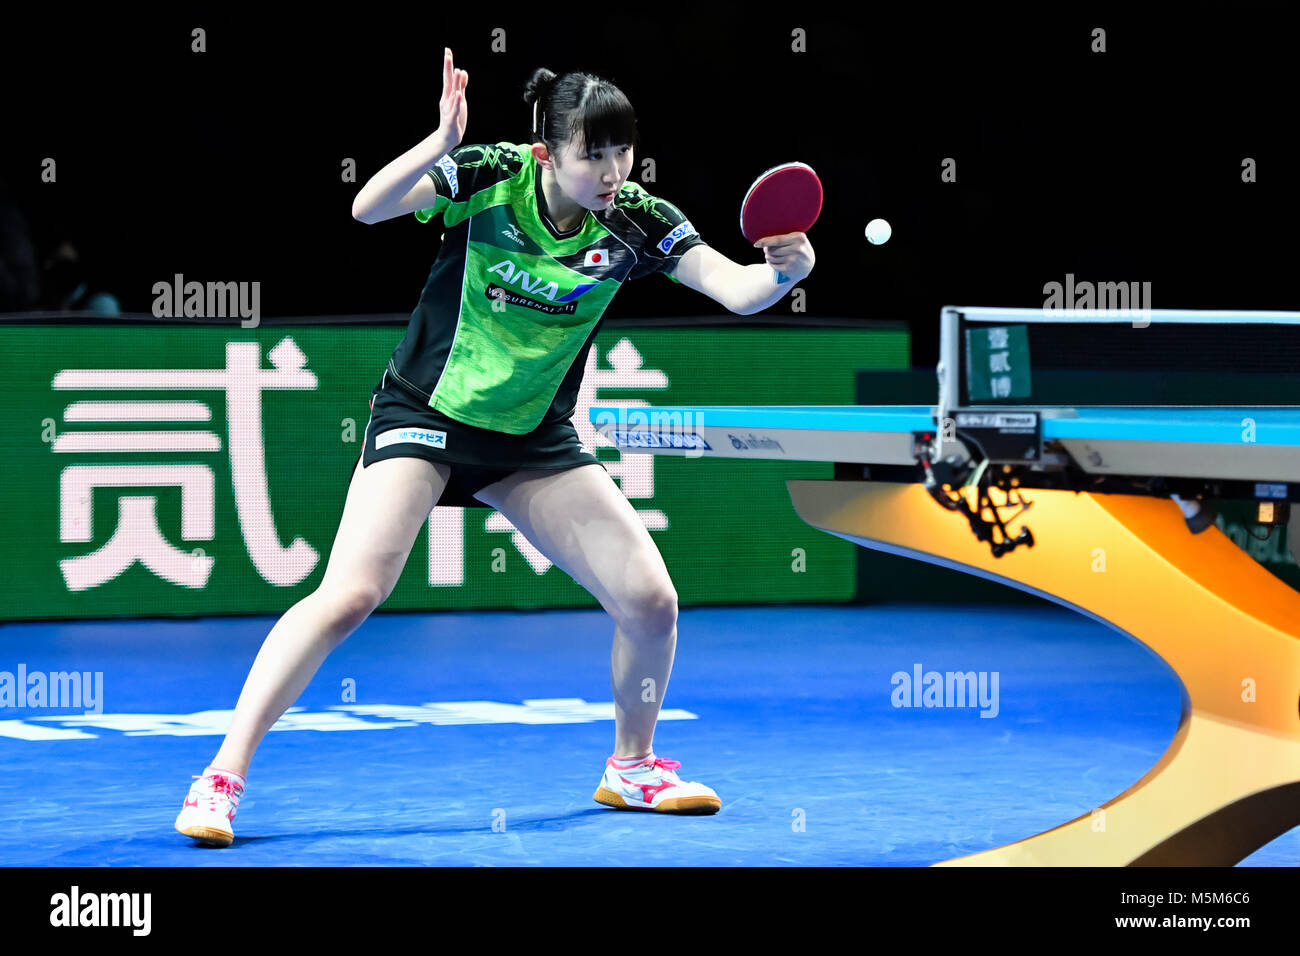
(1230, 781)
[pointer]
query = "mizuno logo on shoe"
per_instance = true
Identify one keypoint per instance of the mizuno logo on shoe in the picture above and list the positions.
(648, 791)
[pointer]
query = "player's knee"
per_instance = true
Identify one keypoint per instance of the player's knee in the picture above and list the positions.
(650, 613)
(349, 607)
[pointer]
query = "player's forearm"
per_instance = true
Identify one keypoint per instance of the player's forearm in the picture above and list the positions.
(755, 288)
(386, 187)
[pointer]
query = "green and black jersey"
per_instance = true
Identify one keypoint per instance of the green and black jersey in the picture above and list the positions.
(500, 337)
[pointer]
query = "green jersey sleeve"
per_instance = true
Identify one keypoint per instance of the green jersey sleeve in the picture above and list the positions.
(466, 178)
(666, 233)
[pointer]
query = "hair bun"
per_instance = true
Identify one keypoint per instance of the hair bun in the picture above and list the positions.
(539, 84)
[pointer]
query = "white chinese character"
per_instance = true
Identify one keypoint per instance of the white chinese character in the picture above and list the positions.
(999, 362)
(137, 536)
(1002, 386)
(635, 471)
(998, 338)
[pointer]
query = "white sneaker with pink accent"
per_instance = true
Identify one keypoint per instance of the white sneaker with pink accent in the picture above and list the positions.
(651, 784)
(208, 814)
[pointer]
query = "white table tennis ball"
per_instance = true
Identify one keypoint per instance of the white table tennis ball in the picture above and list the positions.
(878, 232)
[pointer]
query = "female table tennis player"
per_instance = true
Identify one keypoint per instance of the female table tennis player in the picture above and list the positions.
(476, 403)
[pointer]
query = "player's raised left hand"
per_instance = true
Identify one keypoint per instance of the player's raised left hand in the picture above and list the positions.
(790, 254)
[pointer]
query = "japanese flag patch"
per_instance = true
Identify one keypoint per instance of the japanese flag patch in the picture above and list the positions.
(596, 257)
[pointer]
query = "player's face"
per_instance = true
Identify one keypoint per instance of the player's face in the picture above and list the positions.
(590, 178)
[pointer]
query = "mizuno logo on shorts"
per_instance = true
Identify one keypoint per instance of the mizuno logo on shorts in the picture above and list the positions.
(418, 436)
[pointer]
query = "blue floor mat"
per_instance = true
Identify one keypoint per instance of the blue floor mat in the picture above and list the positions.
(479, 738)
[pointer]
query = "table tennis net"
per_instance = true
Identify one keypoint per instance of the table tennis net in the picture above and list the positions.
(1020, 357)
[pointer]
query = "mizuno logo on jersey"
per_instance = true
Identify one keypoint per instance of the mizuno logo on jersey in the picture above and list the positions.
(448, 167)
(681, 232)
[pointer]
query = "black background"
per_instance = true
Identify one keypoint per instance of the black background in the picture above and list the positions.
(1115, 166)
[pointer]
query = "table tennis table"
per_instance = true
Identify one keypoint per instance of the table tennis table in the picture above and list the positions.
(1104, 507)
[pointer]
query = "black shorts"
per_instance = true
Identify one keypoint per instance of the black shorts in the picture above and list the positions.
(402, 425)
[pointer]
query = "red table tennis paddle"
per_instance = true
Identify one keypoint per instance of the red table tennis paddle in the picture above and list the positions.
(786, 198)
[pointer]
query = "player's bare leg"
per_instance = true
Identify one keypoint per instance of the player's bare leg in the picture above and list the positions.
(582, 522)
(387, 505)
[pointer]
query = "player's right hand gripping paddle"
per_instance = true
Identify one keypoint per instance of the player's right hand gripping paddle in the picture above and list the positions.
(786, 198)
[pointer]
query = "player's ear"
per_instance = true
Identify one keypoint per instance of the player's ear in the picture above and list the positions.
(541, 154)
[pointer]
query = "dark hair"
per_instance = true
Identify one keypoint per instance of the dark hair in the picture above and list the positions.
(579, 106)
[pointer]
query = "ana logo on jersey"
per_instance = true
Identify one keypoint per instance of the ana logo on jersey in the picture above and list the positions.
(511, 275)
(681, 232)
